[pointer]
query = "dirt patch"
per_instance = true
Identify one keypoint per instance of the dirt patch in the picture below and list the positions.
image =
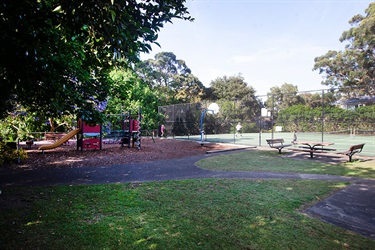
(113, 154)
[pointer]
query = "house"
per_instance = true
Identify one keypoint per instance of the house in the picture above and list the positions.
(354, 103)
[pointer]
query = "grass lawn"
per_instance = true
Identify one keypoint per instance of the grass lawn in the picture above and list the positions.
(190, 214)
(270, 161)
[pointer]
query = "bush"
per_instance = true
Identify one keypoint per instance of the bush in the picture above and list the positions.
(8, 154)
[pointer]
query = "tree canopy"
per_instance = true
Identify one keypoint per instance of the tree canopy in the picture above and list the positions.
(283, 97)
(56, 55)
(129, 92)
(172, 78)
(231, 87)
(236, 98)
(353, 70)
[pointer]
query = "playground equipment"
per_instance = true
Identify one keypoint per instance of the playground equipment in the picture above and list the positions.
(61, 141)
(124, 129)
(131, 132)
(90, 136)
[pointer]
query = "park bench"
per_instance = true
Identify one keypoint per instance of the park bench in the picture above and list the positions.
(353, 150)
(53, 136)
(278, 144)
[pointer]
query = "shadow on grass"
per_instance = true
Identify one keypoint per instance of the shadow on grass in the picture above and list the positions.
(269, 161)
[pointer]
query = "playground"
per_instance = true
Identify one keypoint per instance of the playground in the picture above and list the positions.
(153, 149)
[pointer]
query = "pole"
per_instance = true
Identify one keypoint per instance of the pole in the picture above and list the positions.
(322, 115)
(273, 110)
(260, 131)
(201, 122)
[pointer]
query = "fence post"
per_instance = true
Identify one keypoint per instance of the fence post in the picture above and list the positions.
(323, 115)
(272, 114)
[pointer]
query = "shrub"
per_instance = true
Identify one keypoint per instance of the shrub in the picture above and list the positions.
(8, 154)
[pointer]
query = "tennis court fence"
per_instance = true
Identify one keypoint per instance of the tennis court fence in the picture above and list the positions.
(322, 120)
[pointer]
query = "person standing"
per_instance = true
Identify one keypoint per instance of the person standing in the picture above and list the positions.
(239, 129)
(162, 128)
(294, 136)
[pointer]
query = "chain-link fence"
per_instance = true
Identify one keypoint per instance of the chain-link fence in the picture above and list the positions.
(312, 115)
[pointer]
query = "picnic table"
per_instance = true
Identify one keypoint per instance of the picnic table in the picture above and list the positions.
(313, 147)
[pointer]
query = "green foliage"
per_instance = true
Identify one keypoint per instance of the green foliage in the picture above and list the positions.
(21, 123)
(315, 100)
(235, 97)
(283, 97)
(365, 117)
(250, 127)
(352, 70)
(59, 53)
(232, 87)
(304, 118)
(179, 127)
(129, 93)
(8, 154)
(172, 78)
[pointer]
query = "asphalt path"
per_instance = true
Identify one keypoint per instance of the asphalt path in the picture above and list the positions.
(352, 208)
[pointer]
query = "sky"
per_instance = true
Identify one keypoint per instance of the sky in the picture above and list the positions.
(269, 42)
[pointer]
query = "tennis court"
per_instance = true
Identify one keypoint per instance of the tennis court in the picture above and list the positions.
(342, 141)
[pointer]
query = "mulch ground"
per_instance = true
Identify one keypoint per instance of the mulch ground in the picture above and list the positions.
(112, 154)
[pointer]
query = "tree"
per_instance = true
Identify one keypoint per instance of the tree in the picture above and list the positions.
(352, 70)
(129, 92)
(57, 54)
(172, 77)
(232, 87)
(164, 67)
(236, 99)
(20, 124)
(190, 90)
(283, 97)
(314, 100)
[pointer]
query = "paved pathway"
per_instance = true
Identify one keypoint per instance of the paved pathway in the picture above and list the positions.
(352, 208)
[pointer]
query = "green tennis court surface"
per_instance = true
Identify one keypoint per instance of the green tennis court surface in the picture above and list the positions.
(342, 141)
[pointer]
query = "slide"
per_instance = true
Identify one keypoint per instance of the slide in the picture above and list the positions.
(61, 141)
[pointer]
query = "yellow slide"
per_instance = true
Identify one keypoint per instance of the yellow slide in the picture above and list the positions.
(61, 141)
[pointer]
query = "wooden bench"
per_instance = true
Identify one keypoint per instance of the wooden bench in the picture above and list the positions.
(353, 150)
(278, 144)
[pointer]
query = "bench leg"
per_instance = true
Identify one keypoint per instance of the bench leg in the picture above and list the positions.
(311, 154)
(350, 157)
(279, 150)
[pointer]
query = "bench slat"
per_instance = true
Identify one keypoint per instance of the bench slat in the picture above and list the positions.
(278, 144)
(311, 151)
(353, 150)
(318, 148)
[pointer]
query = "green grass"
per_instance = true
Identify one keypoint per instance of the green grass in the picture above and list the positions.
(270, 161)
(191, 214)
